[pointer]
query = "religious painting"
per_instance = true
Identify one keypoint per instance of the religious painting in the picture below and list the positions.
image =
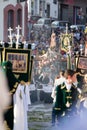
(20, 60)
(66, 41)
(82, 63)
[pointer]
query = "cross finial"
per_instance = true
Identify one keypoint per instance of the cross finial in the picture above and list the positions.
(10, 34)
(18, 36)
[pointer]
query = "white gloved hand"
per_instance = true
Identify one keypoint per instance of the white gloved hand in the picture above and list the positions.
(67, 104)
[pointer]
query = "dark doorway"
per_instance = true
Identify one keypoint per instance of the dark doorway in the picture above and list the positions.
(48, 10)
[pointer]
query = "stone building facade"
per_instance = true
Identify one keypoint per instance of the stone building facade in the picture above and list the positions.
(75, 11)
(13, 13)
(43, 8)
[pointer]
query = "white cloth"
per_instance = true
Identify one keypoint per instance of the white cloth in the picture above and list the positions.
(68, 86)
(59, 81)
(21, 102)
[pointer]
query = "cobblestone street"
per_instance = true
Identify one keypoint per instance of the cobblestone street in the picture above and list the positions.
(39, 116)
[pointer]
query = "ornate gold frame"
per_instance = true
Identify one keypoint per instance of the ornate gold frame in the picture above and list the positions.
(21, 62)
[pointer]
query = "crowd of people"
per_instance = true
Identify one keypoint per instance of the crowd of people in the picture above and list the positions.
(69, 92)
(14, 100)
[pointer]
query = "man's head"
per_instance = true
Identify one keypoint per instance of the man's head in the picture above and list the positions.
(71, 76)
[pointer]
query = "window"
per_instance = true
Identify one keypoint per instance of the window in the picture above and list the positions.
(19, 17)
(48, 22)
(20, 1)
(55, 1)
(10, 18)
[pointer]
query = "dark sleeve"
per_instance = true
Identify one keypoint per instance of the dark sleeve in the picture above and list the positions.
(12, 82)
(59, 98)
(13, 90)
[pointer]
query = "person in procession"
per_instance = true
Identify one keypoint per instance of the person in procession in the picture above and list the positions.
(5, 98)
(21, 104)
(66, 98)
(12, 84)
(58, 80)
